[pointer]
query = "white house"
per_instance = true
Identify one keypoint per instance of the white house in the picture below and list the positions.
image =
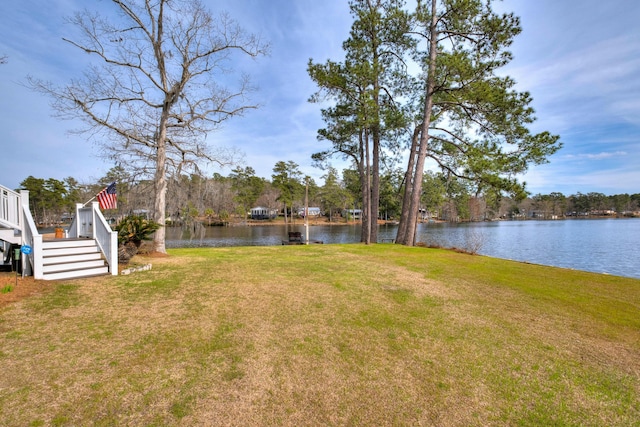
(312, 212)
(352, 213)
(260, 212)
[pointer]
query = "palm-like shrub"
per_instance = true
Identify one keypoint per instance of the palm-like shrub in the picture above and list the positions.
(132, 230)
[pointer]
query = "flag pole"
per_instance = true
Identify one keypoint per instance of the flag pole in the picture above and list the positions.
(88, 201)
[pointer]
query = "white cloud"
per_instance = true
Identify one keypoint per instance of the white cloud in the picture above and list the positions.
(596, 156)
(595, 82)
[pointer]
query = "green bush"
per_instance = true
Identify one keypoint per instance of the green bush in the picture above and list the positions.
(135, 229)
(132, 230)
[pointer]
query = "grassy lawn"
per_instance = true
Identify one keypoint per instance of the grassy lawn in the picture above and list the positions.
(325, 335)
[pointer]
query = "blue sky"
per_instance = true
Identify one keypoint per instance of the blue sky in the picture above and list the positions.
(579, 59)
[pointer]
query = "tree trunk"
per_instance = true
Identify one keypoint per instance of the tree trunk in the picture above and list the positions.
(160, 186)
(416, 190)
(375, 188)
(375, 134)
(286, 221)
(401, 236)
(366, 190)
(160, 181)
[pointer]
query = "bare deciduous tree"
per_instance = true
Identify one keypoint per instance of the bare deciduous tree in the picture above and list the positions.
(163, 81)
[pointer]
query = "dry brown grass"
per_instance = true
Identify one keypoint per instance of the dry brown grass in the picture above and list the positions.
(18, 288)
(323, 335)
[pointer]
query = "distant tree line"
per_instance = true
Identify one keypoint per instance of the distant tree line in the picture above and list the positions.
(210, 200)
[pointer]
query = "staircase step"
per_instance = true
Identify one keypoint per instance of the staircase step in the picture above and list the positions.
(67, 258)
(51, 252)
(72, 258)
(67, 243)
(50, 268)
(74, 274)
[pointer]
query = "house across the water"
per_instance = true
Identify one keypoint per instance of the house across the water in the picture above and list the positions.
(352, 214)
(263, 213)
(313, 212)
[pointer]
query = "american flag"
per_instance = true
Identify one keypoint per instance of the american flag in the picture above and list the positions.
(108, 198)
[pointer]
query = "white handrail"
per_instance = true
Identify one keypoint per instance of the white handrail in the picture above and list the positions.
(106, 238)
(89, 222)
(31, 263)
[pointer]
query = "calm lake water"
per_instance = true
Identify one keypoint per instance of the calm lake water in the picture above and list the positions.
(610, 246)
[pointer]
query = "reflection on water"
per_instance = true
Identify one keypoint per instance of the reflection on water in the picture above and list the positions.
(602, 246)
(259, 235)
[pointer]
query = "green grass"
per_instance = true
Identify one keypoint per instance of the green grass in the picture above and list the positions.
(326, 335)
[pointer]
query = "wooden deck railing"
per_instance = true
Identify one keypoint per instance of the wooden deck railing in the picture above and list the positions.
(10, 205)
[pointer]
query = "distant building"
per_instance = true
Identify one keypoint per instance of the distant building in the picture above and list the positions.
(260, 212)
(142, 212)
(312, 212)
(352, 213)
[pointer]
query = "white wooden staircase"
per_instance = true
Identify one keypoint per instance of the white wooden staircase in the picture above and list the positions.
(90, 247)
(69, 258)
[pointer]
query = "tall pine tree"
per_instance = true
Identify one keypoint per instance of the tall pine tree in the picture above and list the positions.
(473, 122)
(366, 88)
